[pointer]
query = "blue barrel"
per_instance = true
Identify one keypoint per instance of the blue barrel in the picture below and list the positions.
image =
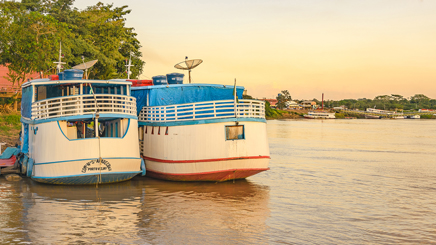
(159, 80)
(73, 74)
(175, 78)
(61, 75)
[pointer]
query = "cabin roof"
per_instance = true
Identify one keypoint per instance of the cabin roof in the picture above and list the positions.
(47, 81)
(185, 85)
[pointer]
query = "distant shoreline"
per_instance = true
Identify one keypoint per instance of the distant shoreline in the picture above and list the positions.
(299, 114)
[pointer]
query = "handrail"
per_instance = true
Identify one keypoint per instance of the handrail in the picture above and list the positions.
(203, 110)
(83, 105)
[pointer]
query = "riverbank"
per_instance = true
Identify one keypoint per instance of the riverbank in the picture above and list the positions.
(10, 128)
(282, 114)
(296, 114)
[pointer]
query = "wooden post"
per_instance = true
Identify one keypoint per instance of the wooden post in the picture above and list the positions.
(1, 144)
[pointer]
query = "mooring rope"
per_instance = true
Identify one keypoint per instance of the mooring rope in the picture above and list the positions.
(96, 115)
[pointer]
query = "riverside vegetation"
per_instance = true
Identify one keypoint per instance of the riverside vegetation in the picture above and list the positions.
(10, 125)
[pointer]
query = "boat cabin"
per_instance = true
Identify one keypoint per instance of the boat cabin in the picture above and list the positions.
(83, 108)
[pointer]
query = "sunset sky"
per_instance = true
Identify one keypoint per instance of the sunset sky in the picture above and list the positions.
(342, 48)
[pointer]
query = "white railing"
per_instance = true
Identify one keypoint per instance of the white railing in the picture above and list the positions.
(82, 105)
(203, 110)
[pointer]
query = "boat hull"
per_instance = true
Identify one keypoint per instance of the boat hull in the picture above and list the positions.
(89, 171)
(105, 178)
(211, 170)
(201, 152)
(372, 117)
(58, 159)
(319, 115)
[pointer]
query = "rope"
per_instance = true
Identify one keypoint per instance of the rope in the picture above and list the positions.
(98, 136)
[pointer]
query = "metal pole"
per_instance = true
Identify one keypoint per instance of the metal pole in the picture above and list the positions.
(189, 76)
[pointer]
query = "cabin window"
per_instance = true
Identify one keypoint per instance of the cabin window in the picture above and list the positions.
(235, 132)
(86, 129)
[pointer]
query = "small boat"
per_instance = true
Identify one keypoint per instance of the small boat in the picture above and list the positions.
(414, 117)
(320, 115)
(372, 117)
(77, 131)
(201, 132)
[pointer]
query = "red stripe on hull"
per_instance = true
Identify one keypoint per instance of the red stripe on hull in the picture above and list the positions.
(203, 160)
(217, 176)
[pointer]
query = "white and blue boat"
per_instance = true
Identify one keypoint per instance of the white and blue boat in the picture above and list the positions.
(77, 131)
(200, 132)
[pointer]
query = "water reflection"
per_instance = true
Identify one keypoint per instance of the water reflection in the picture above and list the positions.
(11, 212)
(75, 214)
(134, 212)
(175, 212)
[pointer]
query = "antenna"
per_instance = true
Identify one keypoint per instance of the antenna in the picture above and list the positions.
(128, 66)
(188, 65)
(59, 63)
(85, 66)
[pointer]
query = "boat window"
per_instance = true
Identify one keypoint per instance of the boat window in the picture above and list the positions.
(104, 89)
(54, 91)
(85, 129)
(235, 132)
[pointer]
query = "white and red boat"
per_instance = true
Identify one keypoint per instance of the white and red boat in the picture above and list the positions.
(320, 115)
(201, 132)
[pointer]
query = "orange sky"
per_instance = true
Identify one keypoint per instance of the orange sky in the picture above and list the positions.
(343, 48)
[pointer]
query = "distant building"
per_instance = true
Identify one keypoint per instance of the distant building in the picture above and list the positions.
(6, 86)
(342, 107)
(426, 110)
(292, 105)
(308, 104)
(386, 112)
(272, 102)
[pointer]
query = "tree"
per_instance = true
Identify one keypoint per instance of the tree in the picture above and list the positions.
(31, 32)
(397, 97)
(100, 33)
(419, 98)
(282, 98)
(32, 38)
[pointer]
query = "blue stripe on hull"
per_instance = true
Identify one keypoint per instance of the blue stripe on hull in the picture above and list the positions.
(86, 179)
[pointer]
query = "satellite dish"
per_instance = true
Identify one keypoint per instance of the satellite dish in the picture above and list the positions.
(85, 66)
(188, 65)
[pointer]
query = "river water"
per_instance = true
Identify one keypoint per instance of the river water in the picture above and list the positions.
(331, 182)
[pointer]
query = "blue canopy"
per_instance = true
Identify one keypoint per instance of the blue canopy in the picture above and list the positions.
(182, 93)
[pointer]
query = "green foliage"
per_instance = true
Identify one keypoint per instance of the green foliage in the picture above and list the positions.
(340, 115)
(427, 117)
(30, 40)
(8, 122)
(32, 30)
(387, 102)
(100, 33)
(247, 97)
(13, 119)
(271, 113)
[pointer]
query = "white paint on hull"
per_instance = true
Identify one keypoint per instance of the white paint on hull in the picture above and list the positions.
(205, 142)
(67, 157)
(76, 168)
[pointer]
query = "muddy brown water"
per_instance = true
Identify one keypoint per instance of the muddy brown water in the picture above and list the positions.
(331, 182)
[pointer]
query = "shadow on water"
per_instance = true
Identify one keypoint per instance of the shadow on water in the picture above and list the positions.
(139, 211)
